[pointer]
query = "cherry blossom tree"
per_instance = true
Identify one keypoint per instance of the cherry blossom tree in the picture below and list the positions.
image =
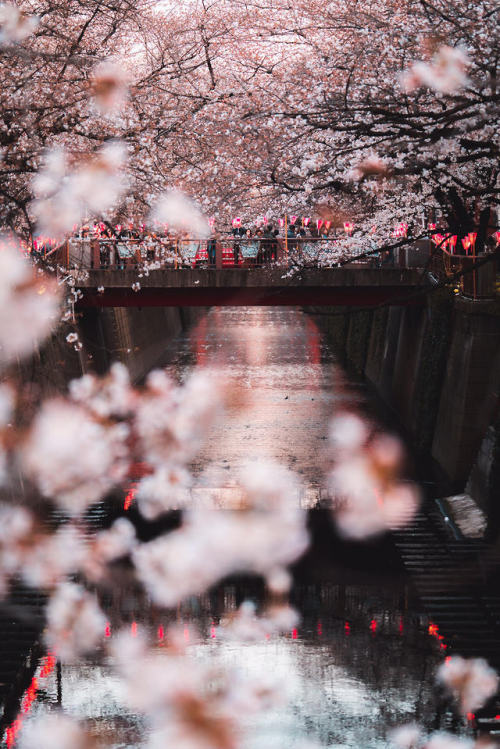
(378, 110)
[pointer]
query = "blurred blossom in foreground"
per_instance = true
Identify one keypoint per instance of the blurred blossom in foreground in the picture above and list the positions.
(471, 681)
(29, 305)
(62, 198)
(16, 529)
(412, 737)
(116, 542)
(263, 539)
(108, 396)
(447, 741)
(15, 26)
(181, 214)
(446, 73)
(246, 626)
(109, 86)
(406, 737)
(371, 166)
(171, 421)
(54, 731)
(166, 489)
(75, 623)
(49, 558)
(71, 457)
(189, 704)
(7, 400)
(369, 497)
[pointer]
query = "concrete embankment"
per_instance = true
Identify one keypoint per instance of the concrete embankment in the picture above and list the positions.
(437, 367)
(134, 336)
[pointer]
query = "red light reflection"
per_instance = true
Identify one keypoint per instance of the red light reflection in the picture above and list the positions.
(129, 499)
(433, 631)
(46, 667)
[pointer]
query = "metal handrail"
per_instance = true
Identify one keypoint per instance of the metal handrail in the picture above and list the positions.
(118, 253)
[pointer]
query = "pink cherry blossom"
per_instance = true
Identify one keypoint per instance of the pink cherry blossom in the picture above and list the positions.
(75, 623)
(471, 681)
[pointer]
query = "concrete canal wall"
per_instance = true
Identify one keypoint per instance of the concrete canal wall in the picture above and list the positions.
(137, 337)
(437, 367)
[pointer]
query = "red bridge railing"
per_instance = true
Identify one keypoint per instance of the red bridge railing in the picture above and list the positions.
(250, 253)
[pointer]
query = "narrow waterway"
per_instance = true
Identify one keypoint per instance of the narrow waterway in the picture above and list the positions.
(361, 660)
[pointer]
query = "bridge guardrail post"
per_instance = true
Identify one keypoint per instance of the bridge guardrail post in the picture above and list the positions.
(95, 254)
(218, 256)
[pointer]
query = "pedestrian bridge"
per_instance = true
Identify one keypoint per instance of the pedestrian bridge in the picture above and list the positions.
(358, 286)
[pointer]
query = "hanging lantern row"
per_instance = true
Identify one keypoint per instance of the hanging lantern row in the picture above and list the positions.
(44, 242)
(449, 242)
(446, 241)
(401, 230)
(306, 220)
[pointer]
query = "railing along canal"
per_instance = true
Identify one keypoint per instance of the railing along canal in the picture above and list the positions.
(253, 253)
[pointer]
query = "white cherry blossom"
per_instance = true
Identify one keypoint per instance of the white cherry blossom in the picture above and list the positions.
(75, 623)
(74, 459)
(29, 304)
(470, 680)
(54, 731)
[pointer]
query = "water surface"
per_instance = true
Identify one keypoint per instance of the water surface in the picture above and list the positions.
(362, 658)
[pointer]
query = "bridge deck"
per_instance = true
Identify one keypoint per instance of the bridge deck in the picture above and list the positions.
(354, 286)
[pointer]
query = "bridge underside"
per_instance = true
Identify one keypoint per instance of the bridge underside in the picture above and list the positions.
(357, 287)
(255, 296)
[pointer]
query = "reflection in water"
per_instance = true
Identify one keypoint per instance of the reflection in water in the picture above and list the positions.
(362, 658)
(285, 386)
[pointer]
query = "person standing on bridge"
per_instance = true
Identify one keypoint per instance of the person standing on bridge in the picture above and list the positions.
(211, 249)
(238, 231)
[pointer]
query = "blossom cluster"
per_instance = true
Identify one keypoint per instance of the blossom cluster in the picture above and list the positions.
(369, 496)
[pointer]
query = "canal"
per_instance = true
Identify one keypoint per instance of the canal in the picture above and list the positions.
(360, 659)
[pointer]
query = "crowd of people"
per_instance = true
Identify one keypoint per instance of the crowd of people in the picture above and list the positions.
(123, 246)
(314, 243)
